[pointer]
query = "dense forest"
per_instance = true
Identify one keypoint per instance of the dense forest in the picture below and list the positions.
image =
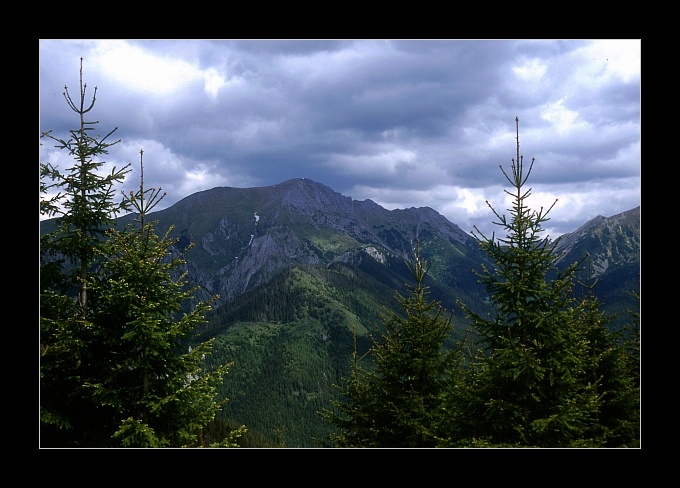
(124, 364)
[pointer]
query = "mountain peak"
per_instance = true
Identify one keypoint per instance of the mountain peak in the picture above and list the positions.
(608, 241)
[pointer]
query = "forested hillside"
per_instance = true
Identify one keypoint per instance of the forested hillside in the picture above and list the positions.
(290, 342)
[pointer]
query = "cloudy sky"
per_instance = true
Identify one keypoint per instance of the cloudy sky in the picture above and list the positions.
(405, 123)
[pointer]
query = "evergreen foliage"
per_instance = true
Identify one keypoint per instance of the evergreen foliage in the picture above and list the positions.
(395, 402)
(116, 368)
(84, 202)
(615, 369)
(537, 381)
(289, 351)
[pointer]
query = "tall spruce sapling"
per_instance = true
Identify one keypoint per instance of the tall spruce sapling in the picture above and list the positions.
(530, 386)
(160, 391)
(82, 197)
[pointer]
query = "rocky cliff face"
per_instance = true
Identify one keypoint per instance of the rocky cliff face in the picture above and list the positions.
(243, 237)
(611, 242)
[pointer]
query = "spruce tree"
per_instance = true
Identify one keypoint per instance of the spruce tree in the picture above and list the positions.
(116, 366)
(154, 389)
(83, 201)
(394, 401)
(614, 368)
(529, 385)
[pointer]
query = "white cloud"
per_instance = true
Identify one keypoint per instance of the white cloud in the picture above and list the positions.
(606, 59)
(140, 70)
(560, 117)
(214, 81)
(135, 68)
(532, 70)
(473, 202)
(174, 174)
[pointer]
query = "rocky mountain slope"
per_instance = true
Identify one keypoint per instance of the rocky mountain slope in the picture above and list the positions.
(610, 241)
(243, 237)
(612, 246)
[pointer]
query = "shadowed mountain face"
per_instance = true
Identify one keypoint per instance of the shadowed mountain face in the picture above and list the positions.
(243, 237)
(612, 242)
(612, 247)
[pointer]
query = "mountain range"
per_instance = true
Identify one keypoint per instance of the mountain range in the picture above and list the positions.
(244, 237)
(304, 274)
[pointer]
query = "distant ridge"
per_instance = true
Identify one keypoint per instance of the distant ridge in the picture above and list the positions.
(610, 241)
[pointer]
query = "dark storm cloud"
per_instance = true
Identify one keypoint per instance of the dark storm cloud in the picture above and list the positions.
(402, 122)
